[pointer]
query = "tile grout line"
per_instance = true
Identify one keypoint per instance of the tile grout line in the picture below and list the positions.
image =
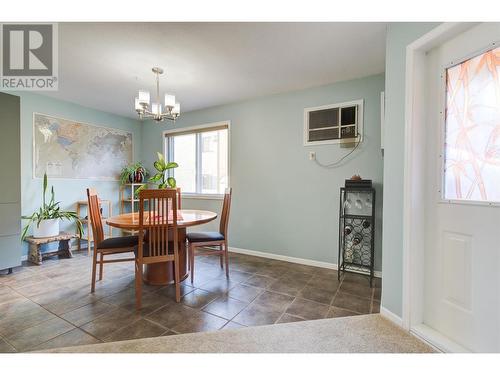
(42, 322)
(58, 316)
(341, 280)
(130, 324)
(294, 297)
(249, 303)
(146, 318)
(284, 311)
(8, 343)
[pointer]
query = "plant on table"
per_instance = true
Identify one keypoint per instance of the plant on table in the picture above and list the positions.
(50, 212)
(160, 178)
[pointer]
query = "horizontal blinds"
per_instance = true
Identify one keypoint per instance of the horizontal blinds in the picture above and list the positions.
(194, 131)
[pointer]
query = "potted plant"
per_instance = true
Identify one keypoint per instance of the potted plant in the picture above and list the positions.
(160, 179)
(140, 172)
(47, 217)
(133, 173)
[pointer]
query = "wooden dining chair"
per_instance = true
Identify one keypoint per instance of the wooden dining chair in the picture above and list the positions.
(157, 221)
(212, 239)
(105, 246)
(179, 198)
(179, 207)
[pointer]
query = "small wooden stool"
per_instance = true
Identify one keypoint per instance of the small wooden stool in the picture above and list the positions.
(36, 256)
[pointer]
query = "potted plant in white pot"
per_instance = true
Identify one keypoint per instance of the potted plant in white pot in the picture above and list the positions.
(48, 216)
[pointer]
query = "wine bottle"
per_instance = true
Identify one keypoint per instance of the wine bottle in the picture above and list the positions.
(357, 239)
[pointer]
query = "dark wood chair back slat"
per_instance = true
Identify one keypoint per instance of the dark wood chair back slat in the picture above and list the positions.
(94, 215)
(224, 217)
(179, 198)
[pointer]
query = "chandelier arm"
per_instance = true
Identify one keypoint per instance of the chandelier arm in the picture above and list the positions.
(167, 116)
(158, 89)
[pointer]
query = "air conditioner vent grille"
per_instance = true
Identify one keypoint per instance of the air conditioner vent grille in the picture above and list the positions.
(335, 123)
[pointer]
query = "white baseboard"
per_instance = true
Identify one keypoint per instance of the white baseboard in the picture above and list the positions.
(307, 262)
(426, 334)
(437, 340)
(389, 315)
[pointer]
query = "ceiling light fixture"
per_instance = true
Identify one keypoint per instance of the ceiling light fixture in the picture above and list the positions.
(154, 111)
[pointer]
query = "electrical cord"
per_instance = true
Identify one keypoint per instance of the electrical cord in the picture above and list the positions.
(336, 163)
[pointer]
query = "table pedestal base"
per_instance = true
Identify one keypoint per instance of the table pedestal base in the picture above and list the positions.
(163, 273)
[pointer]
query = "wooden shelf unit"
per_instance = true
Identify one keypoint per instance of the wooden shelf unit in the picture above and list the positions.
(128, 201)
(82, 205)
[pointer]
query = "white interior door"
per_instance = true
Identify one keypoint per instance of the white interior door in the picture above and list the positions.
(462, 194)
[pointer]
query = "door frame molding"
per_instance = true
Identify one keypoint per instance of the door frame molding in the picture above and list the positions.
(413, 185)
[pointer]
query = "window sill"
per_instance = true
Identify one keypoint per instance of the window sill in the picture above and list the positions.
(203, 196)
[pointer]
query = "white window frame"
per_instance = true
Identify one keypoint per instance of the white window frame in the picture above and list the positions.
(359, 123)
(195, 128)
(442, 131)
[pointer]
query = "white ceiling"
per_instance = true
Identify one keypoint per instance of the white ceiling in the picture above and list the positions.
(103, 65)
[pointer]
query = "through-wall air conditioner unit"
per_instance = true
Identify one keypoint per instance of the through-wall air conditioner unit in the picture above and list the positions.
(334, 123)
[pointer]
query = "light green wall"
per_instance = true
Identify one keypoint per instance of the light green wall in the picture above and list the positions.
(68, 191)
(282, 202)
(399, 35)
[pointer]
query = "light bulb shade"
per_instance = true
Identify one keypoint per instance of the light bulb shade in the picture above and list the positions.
(177, 109)
(143, 97)
(156, 108)
(138, 106)
(169, 100)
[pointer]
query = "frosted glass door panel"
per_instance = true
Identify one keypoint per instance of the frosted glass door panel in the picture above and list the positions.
(472, 144)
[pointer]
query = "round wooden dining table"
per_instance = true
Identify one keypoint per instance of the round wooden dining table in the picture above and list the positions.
(163, 273)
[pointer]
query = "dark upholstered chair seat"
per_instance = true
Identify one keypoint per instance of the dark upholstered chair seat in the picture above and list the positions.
(116, 242)
(205, 236)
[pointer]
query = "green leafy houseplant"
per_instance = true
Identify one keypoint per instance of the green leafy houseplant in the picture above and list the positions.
(50, 211)
(160, 178)
(133, 173)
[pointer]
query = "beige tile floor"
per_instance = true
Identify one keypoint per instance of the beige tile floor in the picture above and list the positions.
(51, 306)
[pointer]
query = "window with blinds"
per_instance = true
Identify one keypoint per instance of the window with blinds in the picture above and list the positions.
(202, 153)
(333, 123)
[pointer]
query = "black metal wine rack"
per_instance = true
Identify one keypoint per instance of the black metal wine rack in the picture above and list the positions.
(357, 230)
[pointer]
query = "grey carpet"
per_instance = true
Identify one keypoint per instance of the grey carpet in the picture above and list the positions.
(356, 334)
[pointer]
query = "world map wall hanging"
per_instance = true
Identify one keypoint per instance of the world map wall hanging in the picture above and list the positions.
(71, 149)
